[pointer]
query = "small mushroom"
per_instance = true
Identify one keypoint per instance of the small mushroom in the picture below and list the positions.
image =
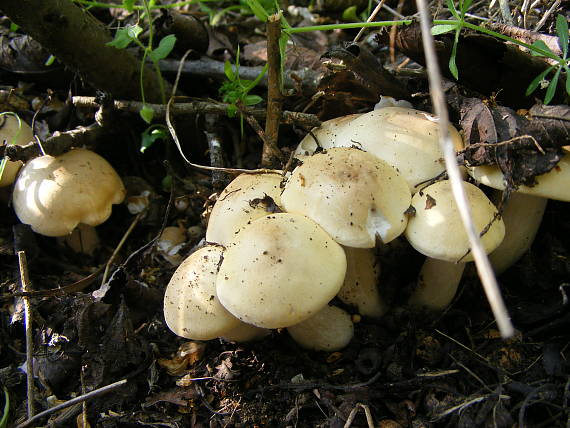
(280, 270)
(246, 198)
(191, 306)
(436, 230)
(405, 138)
(356, 197)
(13, 131)
(330, 329)
(171, 240)
(54, 194)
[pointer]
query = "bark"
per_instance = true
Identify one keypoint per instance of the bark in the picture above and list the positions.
(79, 41)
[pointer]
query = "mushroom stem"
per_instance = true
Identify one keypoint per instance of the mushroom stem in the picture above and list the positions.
(437, 284)
(522, 217)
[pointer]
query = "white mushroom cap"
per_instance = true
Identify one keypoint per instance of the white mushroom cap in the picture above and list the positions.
(330, 329)
(245, 333)
(12, 133)
(352, 194)
(240, 203)
(54, 194)
(553, 185)
(327, 135)
(360, 287)
(191, 308)
(436, 229)
(280, 270)
(405, 138)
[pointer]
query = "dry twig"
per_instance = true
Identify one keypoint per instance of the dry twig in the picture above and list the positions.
(27, 287)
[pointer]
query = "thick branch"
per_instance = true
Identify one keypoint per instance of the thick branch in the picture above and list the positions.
(79, 41)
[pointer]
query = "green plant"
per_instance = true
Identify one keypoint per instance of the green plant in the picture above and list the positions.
(152, 134)
(130, 34)
(236, 89)
(6, 412)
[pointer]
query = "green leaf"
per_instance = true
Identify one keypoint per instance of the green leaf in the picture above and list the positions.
(163, 49)
(6, 413)
(567, 80)
(232, 110)
(251, 100)
(124, 36)
(436, 30)
(349, 14)
(146, 113)
(151, 135)
(537, 80)
(14, 27)
(552, 87)
(464, 6)
(258, 10)
(49, 61)
(452, 63)
(451, 7)
(539, 44)
(562, 31)
(129, 5)
(229, 71)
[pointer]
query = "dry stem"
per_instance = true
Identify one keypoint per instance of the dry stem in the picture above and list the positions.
(26, 287)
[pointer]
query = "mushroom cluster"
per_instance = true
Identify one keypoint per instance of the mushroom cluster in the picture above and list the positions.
(280, 248)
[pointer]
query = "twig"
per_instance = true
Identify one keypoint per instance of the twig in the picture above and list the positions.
(353, 413)
(370, 19)
(506, 12)
(211, 126)
(76, 400)
(274, 95)
(547, 15)
(199, 107)
(26, 287)
(267, 143)
(481, 260)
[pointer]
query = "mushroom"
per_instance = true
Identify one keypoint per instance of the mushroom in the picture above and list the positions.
(191, 307)
(522, 216)
(436, 231)
(405, 138)
(245, 199)
(351, 194)
(325, 134)
(54, 194)
(171, 240)
(280, 270)
(360, 287)
(13, 131)
(83, 239)
(330, 329)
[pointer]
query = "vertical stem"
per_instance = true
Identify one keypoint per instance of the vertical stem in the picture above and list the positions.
(274, 95)
(26, 287)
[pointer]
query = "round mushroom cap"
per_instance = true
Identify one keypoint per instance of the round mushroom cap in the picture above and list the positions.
(436, 229)
(552, 185)
(12, 133)
(326, 135)
(246, 198)
(330, 329)
(405, 138)
(353, 195)
(54, 194)
(245, 333)
(191, 308)
(360, 287)
(280, 270)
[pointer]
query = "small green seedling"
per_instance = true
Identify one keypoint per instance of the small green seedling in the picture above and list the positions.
(152, 134)
(6, 412)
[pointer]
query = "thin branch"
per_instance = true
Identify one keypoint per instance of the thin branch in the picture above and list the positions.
(73, 401)
(274, 95)
(482, 263)
(27, 287)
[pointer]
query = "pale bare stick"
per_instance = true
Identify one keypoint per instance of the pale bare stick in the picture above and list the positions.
(73, 401)
(27, 287)
(370, 19)
(482, 263)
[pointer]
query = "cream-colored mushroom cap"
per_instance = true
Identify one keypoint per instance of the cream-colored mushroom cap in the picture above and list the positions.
(12, 133)
(405, 138)
(436, 229)
(280, 270)
(242, 201)
(360, 287)
(191, 308)
(54, 194)
(352, 194)
(327, 135)
(245, 333)
(330, 329)
(555, 184)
